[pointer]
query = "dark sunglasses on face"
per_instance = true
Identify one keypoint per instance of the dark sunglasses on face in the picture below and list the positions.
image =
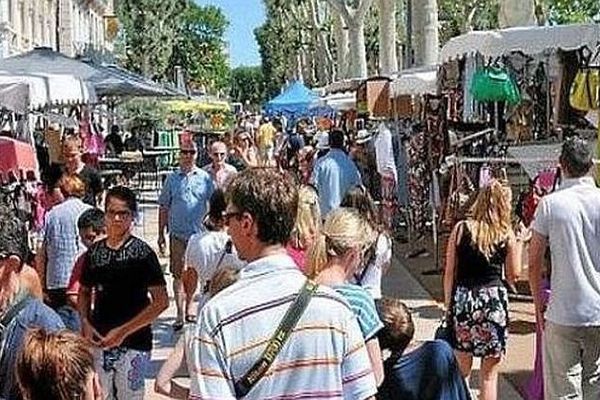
(233, 214)
(188, 152)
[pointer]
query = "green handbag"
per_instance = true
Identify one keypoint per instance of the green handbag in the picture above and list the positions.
(493, 84)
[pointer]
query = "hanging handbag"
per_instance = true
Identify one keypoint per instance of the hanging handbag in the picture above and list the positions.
(494, 84)
(585, 90)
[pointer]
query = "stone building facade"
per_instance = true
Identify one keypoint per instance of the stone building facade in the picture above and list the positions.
(25, 24)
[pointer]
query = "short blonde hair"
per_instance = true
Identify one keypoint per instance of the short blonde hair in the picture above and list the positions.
(344, 229)
(72, 186)
(308, 217)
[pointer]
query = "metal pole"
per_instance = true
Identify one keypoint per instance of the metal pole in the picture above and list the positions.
(409, 35)
(57, 27)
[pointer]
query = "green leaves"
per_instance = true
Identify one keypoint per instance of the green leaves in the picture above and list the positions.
(571, 11)
(248, 85)
(159, 35)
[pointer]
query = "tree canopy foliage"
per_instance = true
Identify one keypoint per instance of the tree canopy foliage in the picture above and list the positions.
(248, 85)
(159, 35)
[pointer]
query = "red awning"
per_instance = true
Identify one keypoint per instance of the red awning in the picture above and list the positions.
(17, 159)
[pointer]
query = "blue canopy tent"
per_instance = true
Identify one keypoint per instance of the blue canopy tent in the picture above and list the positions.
(297, 101)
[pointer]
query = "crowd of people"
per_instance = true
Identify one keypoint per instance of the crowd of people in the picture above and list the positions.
(277, 253)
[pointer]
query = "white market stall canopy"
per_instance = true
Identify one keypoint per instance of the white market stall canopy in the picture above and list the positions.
(343, 101)
(52, 89)
(415, 82)
(529, 40)
(56, 79)
(14, 97)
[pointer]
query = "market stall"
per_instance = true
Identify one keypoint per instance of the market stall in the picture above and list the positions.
(509, 96)
(297, 101)
(418, 114)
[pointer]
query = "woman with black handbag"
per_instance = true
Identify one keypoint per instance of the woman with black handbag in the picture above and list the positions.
(480, 250)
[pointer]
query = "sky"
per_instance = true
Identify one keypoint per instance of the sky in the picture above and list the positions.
(244, 16)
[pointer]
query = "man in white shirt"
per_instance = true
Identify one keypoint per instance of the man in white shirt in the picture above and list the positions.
(568, 221)
(218, 169)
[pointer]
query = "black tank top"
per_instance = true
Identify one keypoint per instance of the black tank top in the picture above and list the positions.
(474, 268)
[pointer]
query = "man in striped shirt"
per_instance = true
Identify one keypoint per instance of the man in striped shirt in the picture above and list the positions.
(325, 356)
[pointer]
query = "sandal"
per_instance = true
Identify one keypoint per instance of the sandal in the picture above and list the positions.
(190, 319)
(177, 326)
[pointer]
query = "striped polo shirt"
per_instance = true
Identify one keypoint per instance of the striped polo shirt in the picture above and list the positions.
(324, 358)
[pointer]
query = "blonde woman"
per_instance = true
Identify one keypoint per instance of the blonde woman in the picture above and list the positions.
(336, 255)
(481, 250)
(308, 223)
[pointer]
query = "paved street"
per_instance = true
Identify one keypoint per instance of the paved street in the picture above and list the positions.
(398, 282)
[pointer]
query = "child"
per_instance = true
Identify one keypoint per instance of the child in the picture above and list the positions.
(91, 228)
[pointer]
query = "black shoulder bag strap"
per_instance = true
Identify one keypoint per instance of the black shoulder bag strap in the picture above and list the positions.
(226, 250)
(277, 341)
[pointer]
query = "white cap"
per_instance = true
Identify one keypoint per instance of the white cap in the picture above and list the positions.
(323, 141)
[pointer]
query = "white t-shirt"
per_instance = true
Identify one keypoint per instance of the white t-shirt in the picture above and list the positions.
(570, 219)
(371, 280)
(204, 251)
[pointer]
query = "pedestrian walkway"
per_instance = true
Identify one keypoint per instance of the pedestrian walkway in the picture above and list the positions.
(397, 283)
(427, 315)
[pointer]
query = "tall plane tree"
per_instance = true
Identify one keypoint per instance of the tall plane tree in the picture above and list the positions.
(354, 13)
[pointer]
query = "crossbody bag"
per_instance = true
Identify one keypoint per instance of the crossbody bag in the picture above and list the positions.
(244, 385)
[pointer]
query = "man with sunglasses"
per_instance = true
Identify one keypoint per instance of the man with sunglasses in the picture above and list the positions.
(183, 204)
(325, 355)
(19, 311)
(218, 169)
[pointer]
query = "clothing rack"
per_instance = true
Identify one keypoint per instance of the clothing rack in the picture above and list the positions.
(474, 136)
(504, 160)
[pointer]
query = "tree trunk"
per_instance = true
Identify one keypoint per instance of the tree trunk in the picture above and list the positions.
(324, 63)
(513, 13)
(432, 38)
(388, 59)
(341, 42)
(358, 53)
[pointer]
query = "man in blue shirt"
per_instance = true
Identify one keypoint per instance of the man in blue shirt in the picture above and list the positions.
(334, 174)
(13, 295)
(183, 204)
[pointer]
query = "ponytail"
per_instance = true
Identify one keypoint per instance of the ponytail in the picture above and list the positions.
(317, 257)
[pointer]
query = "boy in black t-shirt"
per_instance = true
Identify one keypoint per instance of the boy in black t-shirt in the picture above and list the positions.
(129, 290)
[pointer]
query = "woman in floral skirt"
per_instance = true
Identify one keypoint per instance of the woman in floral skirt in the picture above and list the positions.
(482, 250)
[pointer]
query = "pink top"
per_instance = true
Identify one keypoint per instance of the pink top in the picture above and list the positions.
(298, 255)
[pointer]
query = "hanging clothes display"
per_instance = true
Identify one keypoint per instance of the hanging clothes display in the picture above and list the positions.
(53, 140)
(401, 161)
(386, 167)
(419, 178)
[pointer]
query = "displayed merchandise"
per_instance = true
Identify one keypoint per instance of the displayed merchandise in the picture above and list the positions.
(494, 84)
